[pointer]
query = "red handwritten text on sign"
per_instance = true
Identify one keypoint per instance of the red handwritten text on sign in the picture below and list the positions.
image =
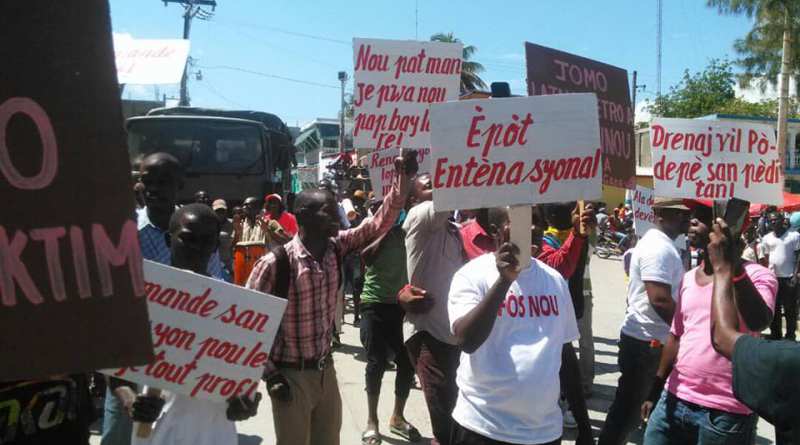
(515, 151)
(211, 338)
(395, 81)
(715, 160)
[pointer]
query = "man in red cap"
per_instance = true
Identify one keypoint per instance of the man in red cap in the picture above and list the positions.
(273, 204)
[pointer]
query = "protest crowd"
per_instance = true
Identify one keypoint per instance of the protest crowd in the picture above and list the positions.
(467, 276)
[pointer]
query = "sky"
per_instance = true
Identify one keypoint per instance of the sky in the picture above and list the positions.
(283, 56)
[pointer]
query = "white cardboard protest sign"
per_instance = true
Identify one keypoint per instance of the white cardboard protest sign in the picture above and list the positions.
(395, 82)
(643, 217)
(709, 159)
(149, 61)
(211, 338)
(519, 150)
(381, 168)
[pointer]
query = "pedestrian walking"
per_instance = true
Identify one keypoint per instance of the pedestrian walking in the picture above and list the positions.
(779, 250)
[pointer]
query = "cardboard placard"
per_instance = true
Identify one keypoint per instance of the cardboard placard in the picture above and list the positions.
(381, 168)
(551, 71)
(149, 61)
(643, 217)
(70, 267)
(395, 82)
(211, 338)
(519, 150)
(707, 159)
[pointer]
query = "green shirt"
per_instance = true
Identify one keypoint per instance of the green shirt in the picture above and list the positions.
(766, 377)
(387, 274)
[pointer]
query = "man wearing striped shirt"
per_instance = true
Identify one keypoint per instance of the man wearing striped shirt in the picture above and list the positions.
(301, 379)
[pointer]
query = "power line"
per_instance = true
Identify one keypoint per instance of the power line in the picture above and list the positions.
(291, 33)
(215, 92)
(272, 76)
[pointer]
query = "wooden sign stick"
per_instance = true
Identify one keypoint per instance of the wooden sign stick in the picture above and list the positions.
(521, 220)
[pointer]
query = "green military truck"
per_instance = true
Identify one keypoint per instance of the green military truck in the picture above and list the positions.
(229, 154)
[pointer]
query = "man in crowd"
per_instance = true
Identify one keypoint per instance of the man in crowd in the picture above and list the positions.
(162, 177)
(193, 238)
(434, 254)
(382, 330)
(766, 374)
(201, 197)
(252, 236)
(275, 211)
(697, 406)
(655, 276)
(225, 238)
(300, 376)
(473, 233)
(565, 248)
(508, 377)
(779, 250)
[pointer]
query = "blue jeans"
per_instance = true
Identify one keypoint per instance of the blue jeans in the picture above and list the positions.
(117, 425)
(674, 421)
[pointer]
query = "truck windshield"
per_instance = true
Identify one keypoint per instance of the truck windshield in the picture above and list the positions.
(201, 145)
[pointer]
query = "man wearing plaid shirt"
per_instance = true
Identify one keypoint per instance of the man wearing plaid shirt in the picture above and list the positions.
(301, 380)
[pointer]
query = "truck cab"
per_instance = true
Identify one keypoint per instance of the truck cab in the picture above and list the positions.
(229, 154)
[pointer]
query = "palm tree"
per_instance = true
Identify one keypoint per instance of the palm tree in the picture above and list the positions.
(775, 21)
(470, 70)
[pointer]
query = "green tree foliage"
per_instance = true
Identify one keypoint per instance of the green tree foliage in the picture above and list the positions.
(760, 49)
(698, 94)
(712, 92)
(470, 70)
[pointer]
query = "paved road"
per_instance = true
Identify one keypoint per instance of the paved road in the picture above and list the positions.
(608, 281)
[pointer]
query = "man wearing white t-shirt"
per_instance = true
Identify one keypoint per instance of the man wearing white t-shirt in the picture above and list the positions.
(779, 249)
(514, 328)
(656, 271)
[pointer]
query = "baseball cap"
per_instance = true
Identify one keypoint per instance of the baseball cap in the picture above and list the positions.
(219, 204)
(273, 196)
(669, 203)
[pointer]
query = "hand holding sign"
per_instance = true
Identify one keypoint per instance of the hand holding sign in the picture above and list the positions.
(507, 262)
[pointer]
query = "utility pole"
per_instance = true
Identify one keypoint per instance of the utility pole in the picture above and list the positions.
(783, 101)
(343, 80)
(659, 39)
(636, 88)
(191, 9)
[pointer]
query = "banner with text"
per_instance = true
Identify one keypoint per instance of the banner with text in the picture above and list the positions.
(643, 217)
(520, 150)
(695, 158)
(551, 71)
(149, 61)
(381, 167)
(211, 338)
(70, 265)
(395, 82)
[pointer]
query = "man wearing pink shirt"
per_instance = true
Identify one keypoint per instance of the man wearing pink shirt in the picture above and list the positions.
(697, 404)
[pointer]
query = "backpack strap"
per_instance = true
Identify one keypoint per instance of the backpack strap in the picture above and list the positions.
(282, 273)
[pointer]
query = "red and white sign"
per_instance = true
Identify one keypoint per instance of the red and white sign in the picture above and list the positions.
(707, 159)
(643, 217)
(148, 61)
(381, 168)
(395, 82)
(520, 150)
(211, 338)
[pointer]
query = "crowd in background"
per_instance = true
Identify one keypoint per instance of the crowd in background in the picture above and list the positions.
(442, 297)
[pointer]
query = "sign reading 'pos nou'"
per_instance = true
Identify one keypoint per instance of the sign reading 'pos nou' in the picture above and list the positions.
(71, 281)
(555, 72)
